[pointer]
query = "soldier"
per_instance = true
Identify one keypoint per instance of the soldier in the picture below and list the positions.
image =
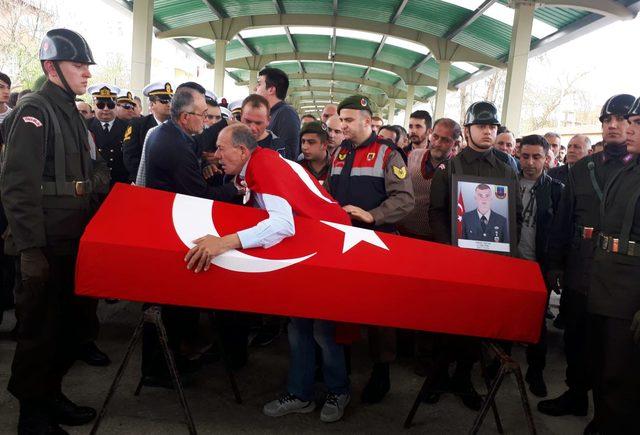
(572, 245)
(125, 106)
(369, 180)
(159, 94)
(108, 130)
(614, 298)
(478, 159)
(48, 176)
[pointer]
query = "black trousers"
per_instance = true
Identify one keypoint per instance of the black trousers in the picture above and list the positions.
(616, 375)
(575, 340)
(49, 315)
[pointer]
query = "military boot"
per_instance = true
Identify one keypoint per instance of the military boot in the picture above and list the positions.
(569, 403)
(378, 385)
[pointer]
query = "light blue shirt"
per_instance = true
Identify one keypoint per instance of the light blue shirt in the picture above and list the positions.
(271, 231)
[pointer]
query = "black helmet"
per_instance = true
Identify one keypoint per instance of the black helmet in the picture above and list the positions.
(482, 112)
(635, 109)
(65, 44)
(617, 105)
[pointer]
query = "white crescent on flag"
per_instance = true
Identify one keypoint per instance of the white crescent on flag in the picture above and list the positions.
(193, 218)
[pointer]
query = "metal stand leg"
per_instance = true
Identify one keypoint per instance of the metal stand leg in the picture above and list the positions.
(494, 407)
(152, 315)
(225, 359)
(426, 386)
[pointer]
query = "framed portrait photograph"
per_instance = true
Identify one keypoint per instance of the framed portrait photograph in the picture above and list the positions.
(483, 214)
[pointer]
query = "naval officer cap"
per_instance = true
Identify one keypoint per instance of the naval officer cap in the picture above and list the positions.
(158, 89)
(125, 96)
(236, 106)
(104, 91)
(210, 97)
(356, 102)
(226, 113)
(317, 127)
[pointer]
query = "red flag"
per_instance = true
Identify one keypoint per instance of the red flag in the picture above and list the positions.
(306, 196)
(460, 213)
(326, 271)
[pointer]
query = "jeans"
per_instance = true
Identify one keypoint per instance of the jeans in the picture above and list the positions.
(303, 334)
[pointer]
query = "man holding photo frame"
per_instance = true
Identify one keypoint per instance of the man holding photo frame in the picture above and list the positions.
(486, 165)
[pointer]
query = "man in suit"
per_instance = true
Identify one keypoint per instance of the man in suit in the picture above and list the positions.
(579, 147)
(108, 130)
(159, 94)
(483, 223)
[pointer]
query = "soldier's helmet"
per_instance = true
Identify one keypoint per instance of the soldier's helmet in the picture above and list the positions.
(617, 105)
(634, 110)
(482, 112)
(65, 44)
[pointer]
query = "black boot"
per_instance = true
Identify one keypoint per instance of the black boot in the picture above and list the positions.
(462, 386)
(35, 419)
(89, 353)
(537, 386)
(378, 385)
(65, 412)
(569, 403)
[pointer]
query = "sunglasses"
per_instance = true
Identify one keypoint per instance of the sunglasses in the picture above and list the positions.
(163, 100)
(127, 106)
(108, 104)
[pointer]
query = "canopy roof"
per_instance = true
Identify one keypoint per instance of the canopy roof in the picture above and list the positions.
(377, 48)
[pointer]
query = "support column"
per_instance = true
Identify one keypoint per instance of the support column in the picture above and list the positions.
(517, 66)
(391, 110)
(441, 93)
(411, 91)
(253, 79)
(141, 40)
(218, 74)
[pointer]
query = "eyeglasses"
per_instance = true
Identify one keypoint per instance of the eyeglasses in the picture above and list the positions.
(127, 106)
(108, 104)
(201, 115)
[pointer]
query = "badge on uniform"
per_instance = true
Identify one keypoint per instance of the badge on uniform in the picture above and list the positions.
(32, 120)
(371, 156)
(501, 192)
(401, 173)
(342, 156)
(127, 133)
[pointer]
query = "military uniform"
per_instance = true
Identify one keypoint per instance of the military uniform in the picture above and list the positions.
(46, 185)
(136, 132)
(373, 176)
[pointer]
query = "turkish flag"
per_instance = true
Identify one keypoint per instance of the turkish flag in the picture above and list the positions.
(460, 213)
(326, 271)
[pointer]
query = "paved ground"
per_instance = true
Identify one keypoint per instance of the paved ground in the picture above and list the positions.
(156, 411)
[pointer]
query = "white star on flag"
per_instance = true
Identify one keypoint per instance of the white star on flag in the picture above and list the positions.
(355, 235)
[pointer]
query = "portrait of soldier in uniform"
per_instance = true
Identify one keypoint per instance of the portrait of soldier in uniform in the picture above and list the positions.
(483, 223)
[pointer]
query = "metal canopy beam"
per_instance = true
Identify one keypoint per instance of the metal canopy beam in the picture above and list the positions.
(455, 31)
(227, 28)
(602, 7)
(258, 62)
(337, 91)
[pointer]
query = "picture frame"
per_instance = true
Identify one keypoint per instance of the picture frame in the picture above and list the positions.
(483, 214)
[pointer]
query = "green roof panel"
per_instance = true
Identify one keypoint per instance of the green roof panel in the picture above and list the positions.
(183, 13)
(431, 16)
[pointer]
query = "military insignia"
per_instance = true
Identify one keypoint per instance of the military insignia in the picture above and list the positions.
(401, 173)
(371, 156)
(167, 87)
(342, 156)
(323, 126)
(501, 192)
(129, 96)
(127, 133)
(104, 92)
(363, 102)
(32, 120)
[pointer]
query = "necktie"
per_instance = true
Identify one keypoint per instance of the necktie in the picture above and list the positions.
(483, 222)
(105, 127)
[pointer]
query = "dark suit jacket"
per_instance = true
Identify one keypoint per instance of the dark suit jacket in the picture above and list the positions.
(560, 173)
(133, 141)
(110, 147)
(496, 227)
(173, 164)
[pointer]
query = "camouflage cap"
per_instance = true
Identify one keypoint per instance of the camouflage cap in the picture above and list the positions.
(357, 102)
(317, 127)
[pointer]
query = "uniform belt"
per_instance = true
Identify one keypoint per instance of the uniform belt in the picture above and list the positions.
(586, 233)
(612, 244)
(70, 188)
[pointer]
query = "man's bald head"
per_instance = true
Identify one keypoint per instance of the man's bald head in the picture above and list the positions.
(329, 111)
(334, 132)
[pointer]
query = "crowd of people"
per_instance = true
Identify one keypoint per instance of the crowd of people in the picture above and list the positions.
(577, 216)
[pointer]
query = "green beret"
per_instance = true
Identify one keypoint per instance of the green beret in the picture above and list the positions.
(317, 127)
(357, 102)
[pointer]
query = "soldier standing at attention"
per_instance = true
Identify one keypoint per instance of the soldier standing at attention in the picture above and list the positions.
(48, 176)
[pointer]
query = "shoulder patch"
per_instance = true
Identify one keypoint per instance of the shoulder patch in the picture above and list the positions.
(401, 173)
(127, 133)
(32, 120)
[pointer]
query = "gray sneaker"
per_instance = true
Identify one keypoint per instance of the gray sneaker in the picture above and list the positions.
(334, 406)
(287, 404)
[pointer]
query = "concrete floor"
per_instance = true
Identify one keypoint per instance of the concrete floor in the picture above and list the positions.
(156, 411)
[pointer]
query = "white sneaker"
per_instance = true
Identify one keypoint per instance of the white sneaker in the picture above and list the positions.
(334, 406)
(287, 404)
